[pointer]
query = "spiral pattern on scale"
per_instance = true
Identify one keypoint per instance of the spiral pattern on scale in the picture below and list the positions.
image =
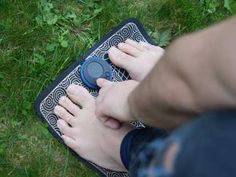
(105, 46)
(65, 83)
(99, 53)
(137, 37)
(117, 174)
(115, 40)
(58, 93)
(77, 72)
(52, 119)
(48, 104)
(43, 110)
(74, 80)
(126, 31)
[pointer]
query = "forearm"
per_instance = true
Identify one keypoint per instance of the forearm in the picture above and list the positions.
(196, 74)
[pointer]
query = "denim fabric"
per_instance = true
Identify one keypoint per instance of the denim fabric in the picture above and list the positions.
(207, 148)
(136, 140)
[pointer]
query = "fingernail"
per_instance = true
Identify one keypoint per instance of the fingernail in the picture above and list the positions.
(112, 123)
(99, 81)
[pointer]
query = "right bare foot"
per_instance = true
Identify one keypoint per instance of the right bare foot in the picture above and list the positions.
(138, 58)
(85, 134)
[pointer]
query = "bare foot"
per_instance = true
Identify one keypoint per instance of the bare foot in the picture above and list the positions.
(86, 135)
(138, 58)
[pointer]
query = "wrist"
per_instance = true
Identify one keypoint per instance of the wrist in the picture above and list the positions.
(139, 101)
(131, 100)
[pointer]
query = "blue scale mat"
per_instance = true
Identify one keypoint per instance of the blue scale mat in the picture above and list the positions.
(49, 98)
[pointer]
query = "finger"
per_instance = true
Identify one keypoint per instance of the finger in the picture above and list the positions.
(69, 141)
(69, 105)
(120, 58)
(129, 49)
(101, 82)
(80, 96)
(100, 113)
(99, 98)
(112, 123)
(64, 114)
(103, 119)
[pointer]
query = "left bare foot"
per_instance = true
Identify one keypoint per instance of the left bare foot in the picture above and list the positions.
(86, 135)
(138, 58)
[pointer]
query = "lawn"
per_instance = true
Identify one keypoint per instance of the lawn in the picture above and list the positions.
(40, 38)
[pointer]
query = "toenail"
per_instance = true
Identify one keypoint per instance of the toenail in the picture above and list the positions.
(59, 123)
(113, 50)
(71, 89)
(56, 109)
(120, 45)
(62, 99)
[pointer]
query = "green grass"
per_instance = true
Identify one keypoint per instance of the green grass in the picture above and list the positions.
(39, 39)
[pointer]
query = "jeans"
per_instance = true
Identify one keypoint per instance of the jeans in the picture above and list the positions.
(205, 147)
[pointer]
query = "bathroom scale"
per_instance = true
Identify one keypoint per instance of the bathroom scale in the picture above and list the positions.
(84, 72)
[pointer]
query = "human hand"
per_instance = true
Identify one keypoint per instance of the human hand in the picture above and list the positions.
(112, 102)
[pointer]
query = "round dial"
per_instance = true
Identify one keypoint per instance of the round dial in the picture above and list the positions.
(94, 68)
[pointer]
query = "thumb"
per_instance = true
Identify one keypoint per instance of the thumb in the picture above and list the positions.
(101, 82)
(112, 123)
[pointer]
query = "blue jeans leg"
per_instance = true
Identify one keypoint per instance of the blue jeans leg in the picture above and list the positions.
(205, 147)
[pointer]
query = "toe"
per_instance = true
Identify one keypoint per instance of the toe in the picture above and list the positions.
(120, 58)
(65, 115)
(69, 142)
(151, 47)
(136, 44)
(66, 129)
(80, 96)
(145, 45)
(69, 105)
(129, 49)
